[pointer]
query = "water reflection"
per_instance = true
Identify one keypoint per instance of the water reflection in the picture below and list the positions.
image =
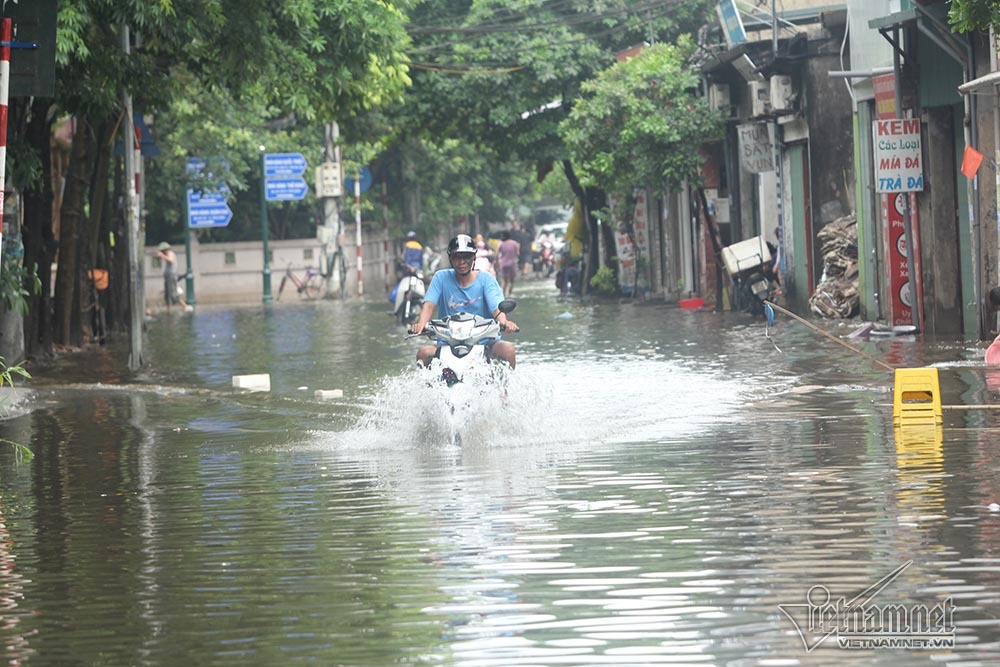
(653, 485)
(920, 471)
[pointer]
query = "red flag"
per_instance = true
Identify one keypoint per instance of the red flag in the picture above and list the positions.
(971, 161)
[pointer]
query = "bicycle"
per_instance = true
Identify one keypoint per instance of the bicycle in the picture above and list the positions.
(309, 287)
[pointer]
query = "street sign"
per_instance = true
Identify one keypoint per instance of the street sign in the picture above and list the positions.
(732, 23)
(365, 181)
(897, 155)
(285, 188)
(284, 164)
(208, 209)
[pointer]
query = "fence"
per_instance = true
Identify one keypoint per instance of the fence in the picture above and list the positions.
(233, 272)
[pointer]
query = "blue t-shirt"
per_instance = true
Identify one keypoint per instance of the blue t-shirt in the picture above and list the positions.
(480, 298)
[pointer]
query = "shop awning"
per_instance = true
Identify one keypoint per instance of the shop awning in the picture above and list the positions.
(984, 85)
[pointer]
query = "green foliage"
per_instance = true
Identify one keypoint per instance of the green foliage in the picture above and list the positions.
(969, 15)
(7, 374)
(641, 123)
(17, 283)
(604, 281)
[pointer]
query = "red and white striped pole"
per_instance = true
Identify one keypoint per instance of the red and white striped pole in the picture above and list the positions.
(385, 229)
(357, 235)
(5, 37)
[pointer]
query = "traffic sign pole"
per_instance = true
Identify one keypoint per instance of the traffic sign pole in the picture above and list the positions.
(189, 274)
(264, 231)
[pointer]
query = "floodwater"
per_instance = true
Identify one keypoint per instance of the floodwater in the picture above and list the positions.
(655, 486)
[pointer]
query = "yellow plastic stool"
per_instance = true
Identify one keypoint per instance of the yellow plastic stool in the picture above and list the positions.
(916, 397)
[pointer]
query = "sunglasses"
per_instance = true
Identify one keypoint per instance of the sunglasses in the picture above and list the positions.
(463, 258)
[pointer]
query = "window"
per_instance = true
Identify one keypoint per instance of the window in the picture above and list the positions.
(230, 259)
(307, 254)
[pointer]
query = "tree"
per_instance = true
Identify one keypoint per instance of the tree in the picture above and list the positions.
(502, 73)
(641, 124)
(969, 15)
(315, 59)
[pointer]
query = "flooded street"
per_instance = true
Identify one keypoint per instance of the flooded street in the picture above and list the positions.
(651, 487)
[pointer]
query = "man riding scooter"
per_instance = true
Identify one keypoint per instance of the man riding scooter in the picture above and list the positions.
(462, 289)
(409, 293)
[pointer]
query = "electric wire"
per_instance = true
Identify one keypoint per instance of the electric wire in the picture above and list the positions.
(495, 68)
(521, 27)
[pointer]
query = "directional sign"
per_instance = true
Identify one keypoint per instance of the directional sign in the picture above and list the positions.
(284, 164)
(208, 209)
(365, 181)
(285, 188)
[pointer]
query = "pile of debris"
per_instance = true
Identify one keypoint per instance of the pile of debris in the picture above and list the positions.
(836, 295)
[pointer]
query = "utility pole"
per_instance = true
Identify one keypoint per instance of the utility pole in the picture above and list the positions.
(779, 176)
(265, 229)
(133, 240)
(330, 175)
(911, 267)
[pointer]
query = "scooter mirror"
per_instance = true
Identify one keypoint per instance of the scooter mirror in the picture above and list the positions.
(507, 305)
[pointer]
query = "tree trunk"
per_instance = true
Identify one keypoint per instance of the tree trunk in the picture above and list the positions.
(71, 218)
(411, 191)
(121, 306)
(99, 188)
(592, 258)
(39, 243)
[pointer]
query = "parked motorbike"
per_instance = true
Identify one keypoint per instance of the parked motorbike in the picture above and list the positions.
(409, 295)
(749, 265)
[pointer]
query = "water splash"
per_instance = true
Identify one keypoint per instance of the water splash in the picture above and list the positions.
(573, 401)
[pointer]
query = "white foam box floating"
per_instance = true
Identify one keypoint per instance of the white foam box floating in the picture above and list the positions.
(327, 394)
(258, 382)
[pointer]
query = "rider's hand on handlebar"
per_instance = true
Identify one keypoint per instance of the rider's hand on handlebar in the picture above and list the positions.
(416, 328)
(507, 326)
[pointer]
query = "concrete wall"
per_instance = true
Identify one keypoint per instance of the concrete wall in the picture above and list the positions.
(233, 272)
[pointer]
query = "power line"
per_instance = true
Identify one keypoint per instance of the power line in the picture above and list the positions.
(663, 11)
(524, 12)
(520, 27)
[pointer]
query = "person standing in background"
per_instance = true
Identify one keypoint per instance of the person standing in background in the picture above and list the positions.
(509, 252)
(171, 291)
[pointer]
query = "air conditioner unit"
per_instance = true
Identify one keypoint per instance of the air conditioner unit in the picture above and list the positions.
(718, 98)
(760, 98)
(781, 93)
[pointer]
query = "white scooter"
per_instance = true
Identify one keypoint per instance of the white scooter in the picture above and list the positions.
(463, 340)
(409, 296)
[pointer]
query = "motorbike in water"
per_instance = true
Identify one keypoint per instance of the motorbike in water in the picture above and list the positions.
(750, 266)
(463, 362)
(545, 259)
(409, 295)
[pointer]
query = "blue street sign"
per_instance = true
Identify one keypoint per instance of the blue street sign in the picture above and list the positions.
(194, 165)
(285, 188)
(208, 209)
(284, 164)
(732, 23)
(207, 197)
(365, 181)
